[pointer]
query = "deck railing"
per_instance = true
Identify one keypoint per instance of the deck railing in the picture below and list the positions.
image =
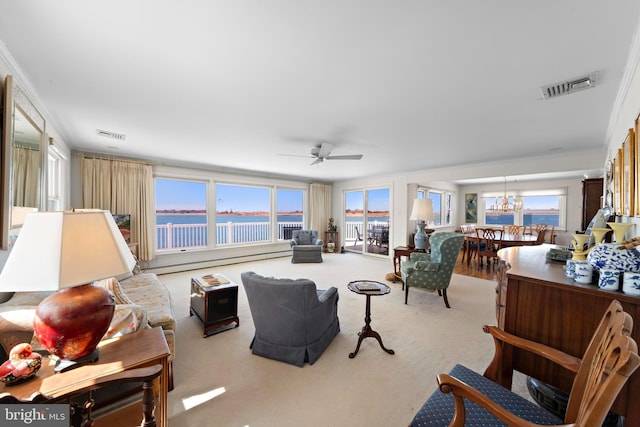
(190, 236)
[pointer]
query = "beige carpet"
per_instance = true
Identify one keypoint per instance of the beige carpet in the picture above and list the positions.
(218, 382)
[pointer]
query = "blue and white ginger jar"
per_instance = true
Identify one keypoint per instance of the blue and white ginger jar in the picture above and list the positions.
(607, 255)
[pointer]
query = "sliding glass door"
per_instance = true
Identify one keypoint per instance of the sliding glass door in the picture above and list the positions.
(367, 221)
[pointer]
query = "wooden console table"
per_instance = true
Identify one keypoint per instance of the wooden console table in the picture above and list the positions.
(147, 347)
(535, 300)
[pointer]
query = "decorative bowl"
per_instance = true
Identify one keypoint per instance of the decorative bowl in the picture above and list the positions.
(23, 364)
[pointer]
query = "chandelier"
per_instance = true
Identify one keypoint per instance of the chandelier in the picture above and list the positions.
(501, 207)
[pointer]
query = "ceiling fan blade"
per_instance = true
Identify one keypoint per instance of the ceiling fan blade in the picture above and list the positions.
(317, 160)
(325, 149)
(346, 157)
(295, 155)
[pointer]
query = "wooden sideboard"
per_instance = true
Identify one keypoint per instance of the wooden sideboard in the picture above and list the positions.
(535, 300)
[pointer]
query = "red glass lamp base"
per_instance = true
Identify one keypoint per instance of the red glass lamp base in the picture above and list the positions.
(71, 322)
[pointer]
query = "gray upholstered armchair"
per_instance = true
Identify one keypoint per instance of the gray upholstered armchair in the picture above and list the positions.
(433, 271)
(306, 246)
(294, 321)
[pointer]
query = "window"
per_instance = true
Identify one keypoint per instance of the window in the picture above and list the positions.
(289, 204)
(442, 208)
(367, 221)
(538, 207)
(242, 214)
(543, 210)
(181, 214)
(186, 210)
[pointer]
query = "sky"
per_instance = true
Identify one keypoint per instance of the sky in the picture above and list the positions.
(192, 195)
(378, 200)
(176, 194)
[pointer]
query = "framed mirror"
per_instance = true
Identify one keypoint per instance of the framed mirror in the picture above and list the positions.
(23, 142)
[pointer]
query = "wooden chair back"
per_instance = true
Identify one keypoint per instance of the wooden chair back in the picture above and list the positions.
(515, 230)
(608, 362)
(489, 242)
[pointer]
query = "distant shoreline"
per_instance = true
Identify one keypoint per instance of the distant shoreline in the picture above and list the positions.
(348, 214)
(227, 213)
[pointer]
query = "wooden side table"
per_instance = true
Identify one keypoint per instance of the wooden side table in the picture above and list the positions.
(331, 237)
(147, 347)
(398, 253)
(366, 332)
(215, 305)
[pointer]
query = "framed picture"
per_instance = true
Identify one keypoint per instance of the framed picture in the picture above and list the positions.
(617, 182)
(628, 174)
(471, 208)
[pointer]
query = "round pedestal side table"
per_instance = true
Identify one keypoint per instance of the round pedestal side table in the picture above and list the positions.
(368, 288)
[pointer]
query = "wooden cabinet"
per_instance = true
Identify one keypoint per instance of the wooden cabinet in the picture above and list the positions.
(535, 300)
(591, 199)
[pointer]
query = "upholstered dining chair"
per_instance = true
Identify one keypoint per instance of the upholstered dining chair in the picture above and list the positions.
(488, 242)
(433, 271)
(466, 398)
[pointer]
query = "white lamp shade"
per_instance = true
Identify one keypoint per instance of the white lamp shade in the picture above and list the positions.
(422, 210)
(58, 250)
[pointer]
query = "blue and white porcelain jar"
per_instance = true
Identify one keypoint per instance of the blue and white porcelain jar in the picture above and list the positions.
(610, 256)
(609, 279)
(583, 273)
(570, 268)
(631, 283)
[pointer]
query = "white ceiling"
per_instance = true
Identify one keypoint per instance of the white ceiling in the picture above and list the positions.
(411, 85)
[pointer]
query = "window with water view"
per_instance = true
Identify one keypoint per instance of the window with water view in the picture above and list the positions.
(242, 214)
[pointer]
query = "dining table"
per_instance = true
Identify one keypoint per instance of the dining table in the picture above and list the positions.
(506, 241)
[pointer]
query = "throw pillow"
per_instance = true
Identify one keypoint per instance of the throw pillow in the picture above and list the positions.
(113, 285)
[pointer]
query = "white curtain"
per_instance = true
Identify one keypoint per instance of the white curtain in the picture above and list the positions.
(123, 188)
(26, 173)
(320, 207)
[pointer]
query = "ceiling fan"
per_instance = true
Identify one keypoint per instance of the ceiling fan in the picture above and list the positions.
(323, 152)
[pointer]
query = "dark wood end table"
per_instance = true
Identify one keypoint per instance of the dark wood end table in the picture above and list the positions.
(214, 299)
(145, 348)
(366, 331)
(398, 253)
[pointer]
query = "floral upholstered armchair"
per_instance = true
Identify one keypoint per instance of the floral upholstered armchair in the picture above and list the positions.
(433, 271)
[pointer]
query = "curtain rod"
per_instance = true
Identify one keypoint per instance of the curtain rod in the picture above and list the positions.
(107, 157)
(26, 147)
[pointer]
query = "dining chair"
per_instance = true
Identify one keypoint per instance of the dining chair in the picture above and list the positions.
(540, 239)
(488, 242)
(515, 230)
(466, 398)
(468, 248)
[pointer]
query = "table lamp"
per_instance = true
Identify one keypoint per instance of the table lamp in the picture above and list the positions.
(66, 252)
(422, 212)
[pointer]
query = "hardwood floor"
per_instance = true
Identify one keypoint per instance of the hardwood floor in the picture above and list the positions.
(489, 272)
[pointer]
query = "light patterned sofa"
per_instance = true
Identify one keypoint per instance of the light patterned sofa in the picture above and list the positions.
(142, 301)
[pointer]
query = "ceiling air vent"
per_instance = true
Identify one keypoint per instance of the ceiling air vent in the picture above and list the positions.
(569, 86)
(112, 135)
